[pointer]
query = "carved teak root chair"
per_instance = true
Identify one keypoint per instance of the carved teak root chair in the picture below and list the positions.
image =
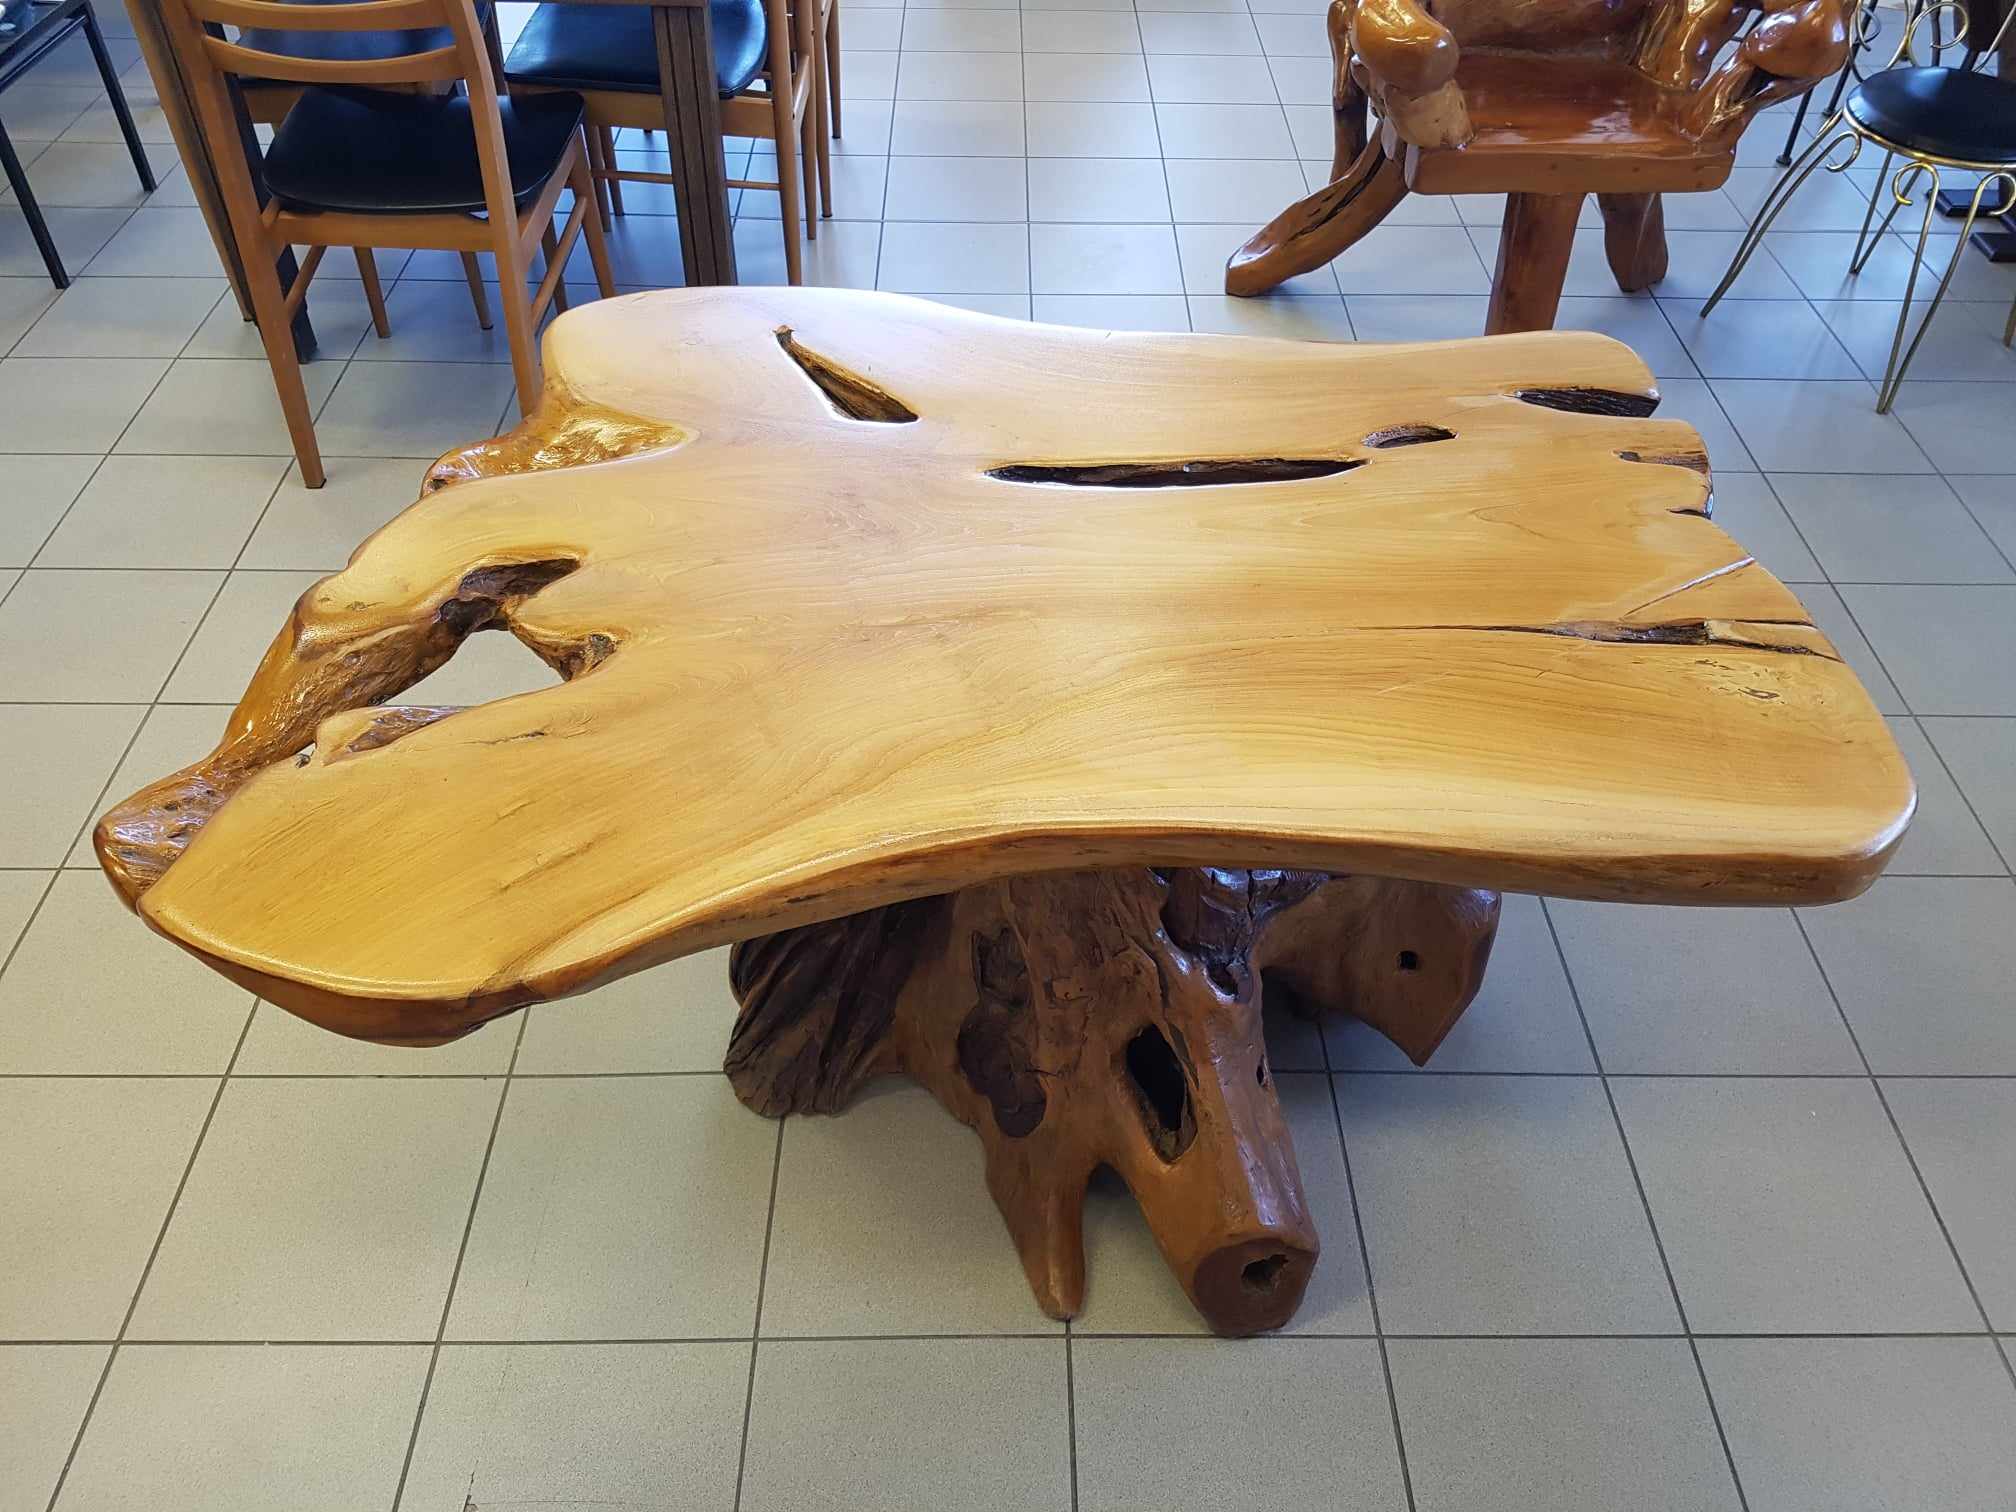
(1546, 101)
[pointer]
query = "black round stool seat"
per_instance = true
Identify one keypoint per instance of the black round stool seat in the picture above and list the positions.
(1943, 112)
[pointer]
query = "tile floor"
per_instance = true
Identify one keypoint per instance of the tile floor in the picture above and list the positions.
(1696, 1209)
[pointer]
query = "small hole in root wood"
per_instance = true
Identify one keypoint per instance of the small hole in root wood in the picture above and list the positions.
(1162, 1091)
(1260, 1071)
(1263, 1275)
(1409, 961)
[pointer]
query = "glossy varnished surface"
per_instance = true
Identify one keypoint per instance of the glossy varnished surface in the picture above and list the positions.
(820, 662)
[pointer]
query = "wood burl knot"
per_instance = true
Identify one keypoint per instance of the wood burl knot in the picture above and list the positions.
(1081, 1019)
(1026, 699)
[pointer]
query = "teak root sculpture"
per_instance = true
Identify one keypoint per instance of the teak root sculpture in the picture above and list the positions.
(902, 642)
(1081, 1019)
(1547, 102)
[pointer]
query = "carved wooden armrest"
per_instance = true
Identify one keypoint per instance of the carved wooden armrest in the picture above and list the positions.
(1406, 60)
(1797, 45)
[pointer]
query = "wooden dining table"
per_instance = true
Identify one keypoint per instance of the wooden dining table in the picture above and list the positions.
(684, 35)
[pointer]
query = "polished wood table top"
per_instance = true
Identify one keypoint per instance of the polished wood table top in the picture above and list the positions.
(860, 598)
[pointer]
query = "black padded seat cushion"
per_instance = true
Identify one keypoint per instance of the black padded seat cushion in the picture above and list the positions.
(611, 47)
(1946, 112)
(376, 152)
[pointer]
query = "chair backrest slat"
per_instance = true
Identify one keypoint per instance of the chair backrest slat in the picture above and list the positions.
(355, 15)
(433, 66)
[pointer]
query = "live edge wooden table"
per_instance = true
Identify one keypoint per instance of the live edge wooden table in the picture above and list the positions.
(1021, 701)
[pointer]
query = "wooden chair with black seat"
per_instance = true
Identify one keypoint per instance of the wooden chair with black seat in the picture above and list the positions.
(355, 166)
(768, 59)
(267, 102)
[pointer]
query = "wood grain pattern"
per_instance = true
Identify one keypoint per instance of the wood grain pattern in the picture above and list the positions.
(818, 663)
(1083, 1019)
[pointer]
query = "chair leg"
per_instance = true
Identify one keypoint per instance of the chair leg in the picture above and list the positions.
(784, 132)
(38, 228)
(472, 270)
(1533, 253)
(833, 68)
(612, 183)
(517, 300)
(549, 243)
(2009, 331)
(276, 334)
(598, 164)
(374, 293)
(96, 39)
(1634, 238)
(1900, 354)
(1780, 196)
(808, 160)
(591, 229)
(1865, 247)
(822, 132)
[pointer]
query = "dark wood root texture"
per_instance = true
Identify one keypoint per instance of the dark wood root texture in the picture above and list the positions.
(1112, 1018)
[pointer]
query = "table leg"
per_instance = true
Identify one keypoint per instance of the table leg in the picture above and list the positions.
(1533, 253)
(1634, 237)
(693, 135)
(1081, 1019)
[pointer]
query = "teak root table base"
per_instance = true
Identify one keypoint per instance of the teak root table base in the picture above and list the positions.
(1081, 1019)
(897, 644)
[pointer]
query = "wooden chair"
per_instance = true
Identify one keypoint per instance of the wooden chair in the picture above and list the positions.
(1546, 101)
(768, 57)
(352, 166)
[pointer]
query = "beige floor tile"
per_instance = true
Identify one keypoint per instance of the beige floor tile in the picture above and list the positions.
(487, 666)
(968, 31)
(619, 1207)
(1294, 319)
(321, 1209)
(279, 1044)
(1198, 32)
(883, 1226)
(932, 258)
(1115, 312)
(1223, 131)
(957, 189)
(1523, 1018)
(20, 892)
(1923, 967)
(252, 608)
(1787, 1206)
(1129, 1287)
(1104, 259)
(1102, 129)
(1960, 425)
(672, 1018)
(909, 1425)
(1982, 754)
(1962, 1135)
(76, 404)
(224, 407)
(171, 737)
(413, 409)
(594, 1425)
(1724, 991)
(1577, 1425)
(44, 1390)
(1816, 1425)
(960, 75)
(79, 235)
(164, 512)
(1111, 78)
(956, 128)
(127, 317)
(316, 529)
(1949, 650)
(39, 490)
(1068, 31)
(194, 1428)
(89, 994)
(86, 1175)
(98, 636)
(1810, 426)
(23, 301)
(86, 175)
(1831, 617)
(336, 311)
(1944, 839)
(1532, 1223)
(1230, 190)
(157, 242)
(1097, 189)
(1748, 510)
(1209, 1426)
(57, 758)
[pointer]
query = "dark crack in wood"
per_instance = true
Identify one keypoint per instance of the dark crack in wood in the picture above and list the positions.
(1590, 401)
(1407, 435)
(484, 597)
(1676, 633)
(1692, 461)
(1195, 474)
(996, 1046)
(848, 392)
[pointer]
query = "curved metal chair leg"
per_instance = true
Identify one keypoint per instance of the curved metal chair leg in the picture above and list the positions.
(1859, 258)
(1780, 195)
(1900, 354)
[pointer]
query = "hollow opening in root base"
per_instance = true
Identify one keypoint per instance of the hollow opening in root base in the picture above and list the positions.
(1162, 1091)
(1264, 1274)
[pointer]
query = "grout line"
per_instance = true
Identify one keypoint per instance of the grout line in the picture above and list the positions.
(756, 1327)
(160, 1235)
(1365, 1264)
(1911, 1159)
(1645, 1203)
(455, 1275)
